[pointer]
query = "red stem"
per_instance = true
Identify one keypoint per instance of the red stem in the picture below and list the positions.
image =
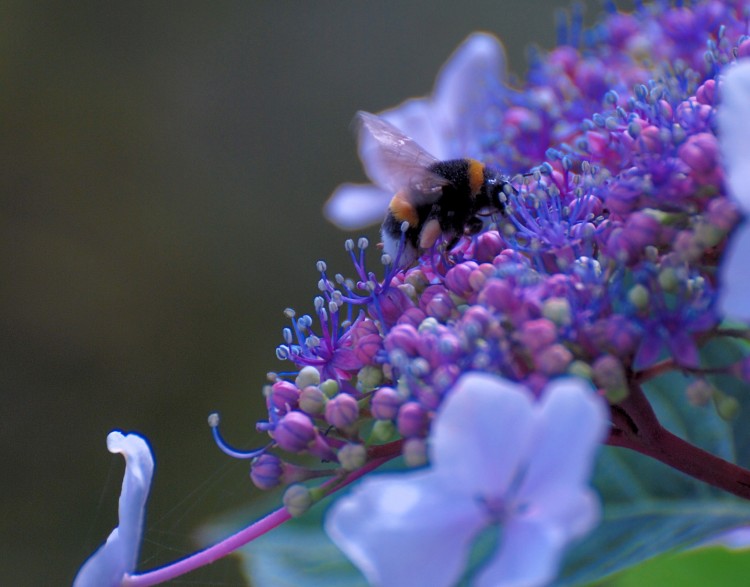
(635, 426)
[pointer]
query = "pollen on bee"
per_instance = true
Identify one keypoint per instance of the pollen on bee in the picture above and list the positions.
(402, 209)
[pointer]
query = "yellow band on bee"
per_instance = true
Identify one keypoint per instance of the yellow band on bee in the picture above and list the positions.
(403, 210)
(476, 176)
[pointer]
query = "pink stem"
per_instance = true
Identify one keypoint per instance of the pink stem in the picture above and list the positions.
(229, 545)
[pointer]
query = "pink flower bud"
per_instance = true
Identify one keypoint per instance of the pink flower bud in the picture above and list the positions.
(385, 403)
(342, 411)
(412, 420)
(294, 432)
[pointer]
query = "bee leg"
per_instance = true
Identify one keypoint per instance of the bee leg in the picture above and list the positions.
(453, 242)
(473, 225)
(430, 233)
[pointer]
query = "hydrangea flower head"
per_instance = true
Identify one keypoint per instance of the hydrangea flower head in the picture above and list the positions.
(616, 253)
(498, 457)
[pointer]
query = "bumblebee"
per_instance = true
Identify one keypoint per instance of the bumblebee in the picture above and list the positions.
(432, 198)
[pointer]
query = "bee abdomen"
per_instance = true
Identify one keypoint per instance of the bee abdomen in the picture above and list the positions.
(402, 210)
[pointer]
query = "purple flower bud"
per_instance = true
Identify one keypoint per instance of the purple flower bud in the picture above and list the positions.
(367, 348)
(412, 420)
(706, 93)
(444, 377)
(266, 471)
(393, 304)
(385, 403)
(294, 432)
(284, 396)
(457, 278)
(448, 347)
(428, 294)
(701, 153)
(412, 317)
(723, 213)
(427, 348)
(440, 306)
(650, 140)
(480, 275)
(488, 246)
(553, 360)
(475, 322)
(744, 49)
(537, 334)
(498, 294)
(342, 411)
(402, 337)
(642, 229)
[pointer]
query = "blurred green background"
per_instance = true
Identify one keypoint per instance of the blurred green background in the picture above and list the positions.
(163, 170)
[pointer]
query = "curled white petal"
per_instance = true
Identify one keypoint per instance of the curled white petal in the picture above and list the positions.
(118, 556)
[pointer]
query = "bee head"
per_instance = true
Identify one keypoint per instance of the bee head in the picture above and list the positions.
(494, 187)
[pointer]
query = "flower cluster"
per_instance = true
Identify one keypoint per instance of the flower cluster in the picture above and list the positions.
(604, 269)
(603, 264)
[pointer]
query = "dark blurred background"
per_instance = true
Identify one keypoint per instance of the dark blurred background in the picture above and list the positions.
(163, 170)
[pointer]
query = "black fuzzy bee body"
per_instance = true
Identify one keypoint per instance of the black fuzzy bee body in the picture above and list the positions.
(432, 198)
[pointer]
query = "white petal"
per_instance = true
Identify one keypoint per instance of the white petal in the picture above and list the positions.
(734, 293)
(119, 554)
(415, 119)
(482, 433)
(464, 91)
(354, 206)
(735, 539)
(529, 555)
(734, 130)
(572, 423)
(406, 530)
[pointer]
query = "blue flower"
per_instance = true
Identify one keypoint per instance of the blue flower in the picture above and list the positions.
(118, 556)
(446, 124)
(734, 127)
(499, 457)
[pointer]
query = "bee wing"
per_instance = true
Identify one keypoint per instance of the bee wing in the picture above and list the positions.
(395, 161)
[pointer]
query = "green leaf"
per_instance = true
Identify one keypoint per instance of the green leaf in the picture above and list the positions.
(695, 568)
